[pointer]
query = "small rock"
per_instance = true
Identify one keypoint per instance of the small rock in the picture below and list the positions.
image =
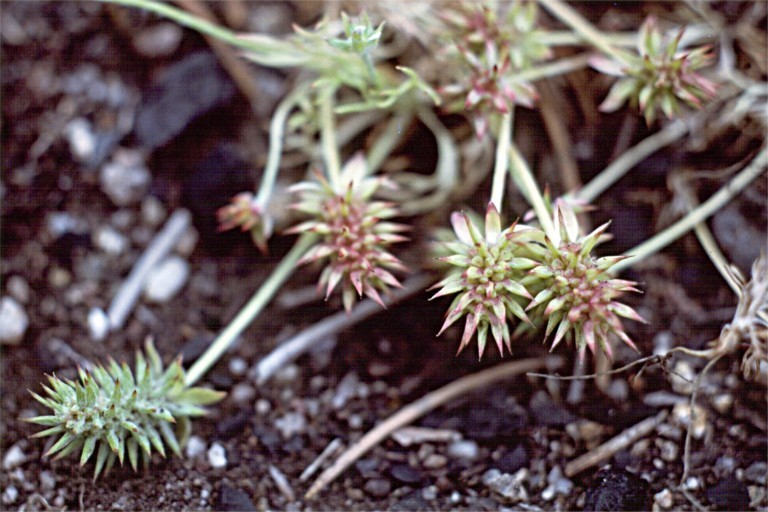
(722, 402)
(435, 461)
(152, 211)
(692, 483)
(507, 486)
(195, 447)
(617, 490)
(682, 377)
(18, 288)
(10, 495)
(355, 421)
(405, 473)
(345, 390)
(558, 483)
(231, 499)
(82, 140)
(682, 415)
(13, 321)
(217, 456)
(411, 502)
(668, 450)
(291, 424)
(287, 374)
(125, 178)
(263, 406)
(464, 449)
(429, 493)
(663, 342)
(13, 457)
(663, 499)
(757, 472)
(59, 223)
(729, 494)
(166, 279)
(98, 324)
(411, 435)
(378, 487)
(368, 467)
(237, 366)
(159, 40)
(47, 480)
(110, 240)
(242, 393)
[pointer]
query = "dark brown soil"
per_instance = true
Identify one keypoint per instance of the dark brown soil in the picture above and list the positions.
(386, 362)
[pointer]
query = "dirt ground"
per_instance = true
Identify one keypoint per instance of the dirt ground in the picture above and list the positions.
(68, 243)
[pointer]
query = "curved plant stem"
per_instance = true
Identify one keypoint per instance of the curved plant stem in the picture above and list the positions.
(630, 158)
(388, 140)
(654, 244)
(502, 159)
(422, 406)
(292, 348)
(276, 131)
(584, 28)
(328, 137)
(245, 316)
(527, 184)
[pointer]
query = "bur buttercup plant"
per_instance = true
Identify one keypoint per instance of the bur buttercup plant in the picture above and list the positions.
(507, 278)
(114, 412)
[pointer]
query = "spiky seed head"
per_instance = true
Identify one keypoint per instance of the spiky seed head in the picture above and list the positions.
(487, 264)
(354, 233)
(112, 411)
(660, 77)
(575, 294)
(244, 211)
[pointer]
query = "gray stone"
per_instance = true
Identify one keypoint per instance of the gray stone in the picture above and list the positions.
(378, 487)
(13, 321)
(217, 456)
(464, 449)
(18, 288)
(110, 240)
(125, 179)
(82, 140)
(15, 456)
(166, 279)
(98, 324)
(291, 424)
(757, 472)
(507, 486)
(159, 40)
(195, 447)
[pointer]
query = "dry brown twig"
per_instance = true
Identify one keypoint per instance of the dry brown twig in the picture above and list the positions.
(424, 405)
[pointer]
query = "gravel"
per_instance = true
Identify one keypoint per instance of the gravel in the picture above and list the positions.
(13, 321)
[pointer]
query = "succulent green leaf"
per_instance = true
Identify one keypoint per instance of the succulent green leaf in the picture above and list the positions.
(88, 448)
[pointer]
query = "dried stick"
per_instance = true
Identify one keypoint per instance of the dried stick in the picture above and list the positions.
(129, 291)
(297, 345)
(422, 406)
(329, 450)
(606, 450)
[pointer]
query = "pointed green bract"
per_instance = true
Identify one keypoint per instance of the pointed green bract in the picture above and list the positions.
(112, 410)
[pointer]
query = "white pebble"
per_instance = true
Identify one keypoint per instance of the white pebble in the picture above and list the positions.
(263, 406)
(18, 288)
(166, 279)
(158, 40)
(242, 393)
(98, 324)
(663, 498)
(82, 140)
(110, 240)
(195, 447)
(237, 366)
(13, 457)
(217, 456)
(47, 480)
(464, 449)
(13, 321)
(10, 495)
(125, 179)
(290, 424)
(152, 211)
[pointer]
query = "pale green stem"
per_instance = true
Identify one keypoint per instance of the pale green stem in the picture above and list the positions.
(276, 131)
(715, 255)
(584, 28)
(387, 140)
(555, 68)
(568, 38)
(328, 138)
(502, 159)
(525, 180)
(188, 20)
(366, 55)
(251, 310)
(629, 159)
(701, 213)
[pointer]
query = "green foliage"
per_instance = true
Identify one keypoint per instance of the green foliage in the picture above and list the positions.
(113, 411)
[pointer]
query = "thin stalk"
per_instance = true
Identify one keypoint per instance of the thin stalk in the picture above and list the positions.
(328, 138)
(584, 28)
(502, 159)
(558, 67)
(276, 131)
(527, 184)
(630, 158)
(255, 305)
(188, 20)
(719, 199)
(388, 140)
(366, 55)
